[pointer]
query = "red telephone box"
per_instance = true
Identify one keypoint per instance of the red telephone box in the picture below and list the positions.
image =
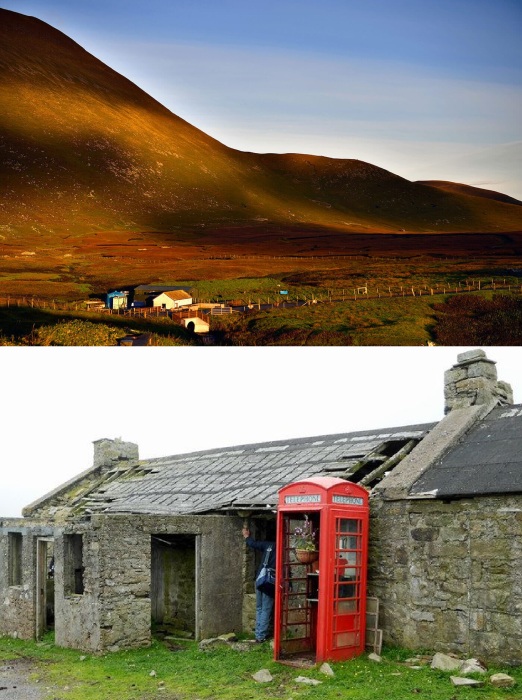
(320, 605)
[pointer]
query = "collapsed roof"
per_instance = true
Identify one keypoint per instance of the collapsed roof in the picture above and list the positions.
(245, 477)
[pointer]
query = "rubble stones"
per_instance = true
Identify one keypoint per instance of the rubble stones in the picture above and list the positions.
(263, 676)
(307, 681)
(444, 662)
(502, 680)
(326, 669)
(212, 643)
(472, 666)
(457, 680)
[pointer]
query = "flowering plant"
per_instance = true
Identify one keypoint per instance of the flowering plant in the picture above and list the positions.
(305, 537)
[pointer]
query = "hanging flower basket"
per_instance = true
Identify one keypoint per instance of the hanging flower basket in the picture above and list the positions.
(307, 556)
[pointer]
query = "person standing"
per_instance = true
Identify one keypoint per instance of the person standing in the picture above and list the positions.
(264, 602)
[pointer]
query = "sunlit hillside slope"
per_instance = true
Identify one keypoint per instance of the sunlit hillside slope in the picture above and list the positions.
(83, 149)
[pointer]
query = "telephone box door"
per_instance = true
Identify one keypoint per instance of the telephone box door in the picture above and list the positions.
(345, 595)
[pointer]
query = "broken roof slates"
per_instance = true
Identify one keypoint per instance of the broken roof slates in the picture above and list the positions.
(214, 479)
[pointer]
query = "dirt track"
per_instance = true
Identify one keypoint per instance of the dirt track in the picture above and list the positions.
(15, 683)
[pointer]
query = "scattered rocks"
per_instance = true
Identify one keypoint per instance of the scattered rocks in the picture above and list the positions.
(242, 646)
(229, 637)
(263, 676)
(458, 680)
(375, 657)
(445, 662)
(212, 643)
(502, 680)
(326, 669)
(307, 681)
(420, 660)
(472, 666)
(229, 640)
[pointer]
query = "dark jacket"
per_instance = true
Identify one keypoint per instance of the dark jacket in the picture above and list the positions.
(262, 546)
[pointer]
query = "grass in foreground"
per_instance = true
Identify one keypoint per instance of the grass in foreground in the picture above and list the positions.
(225, 674)
(27, 326)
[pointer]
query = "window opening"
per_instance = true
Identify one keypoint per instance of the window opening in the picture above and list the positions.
(73, 568)
(15, 541)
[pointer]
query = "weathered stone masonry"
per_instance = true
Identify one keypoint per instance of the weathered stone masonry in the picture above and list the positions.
(114, 610)
(18, 611)
(450, 572)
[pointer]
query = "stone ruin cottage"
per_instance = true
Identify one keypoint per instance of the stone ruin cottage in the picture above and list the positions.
(131, 544)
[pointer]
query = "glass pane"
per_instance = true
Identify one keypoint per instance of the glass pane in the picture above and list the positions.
(347, 639)
(349, 525)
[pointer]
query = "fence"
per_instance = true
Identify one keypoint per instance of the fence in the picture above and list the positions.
(330, 296)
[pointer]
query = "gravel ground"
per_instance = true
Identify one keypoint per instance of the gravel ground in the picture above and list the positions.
(15, 684)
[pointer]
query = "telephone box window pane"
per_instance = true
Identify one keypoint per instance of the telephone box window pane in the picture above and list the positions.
(350, 525)
(342, 607)
(347, 590)
(346, 639)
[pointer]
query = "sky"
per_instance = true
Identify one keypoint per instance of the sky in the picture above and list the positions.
(429, 89)
(56, 401)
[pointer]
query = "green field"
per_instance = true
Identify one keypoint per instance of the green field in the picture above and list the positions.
(183, 672)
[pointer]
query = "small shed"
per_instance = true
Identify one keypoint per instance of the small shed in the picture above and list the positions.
(116, 299)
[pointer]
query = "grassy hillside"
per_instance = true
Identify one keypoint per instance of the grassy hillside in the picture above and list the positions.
(84, 150)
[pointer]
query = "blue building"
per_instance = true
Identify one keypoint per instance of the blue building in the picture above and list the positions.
(116, 300)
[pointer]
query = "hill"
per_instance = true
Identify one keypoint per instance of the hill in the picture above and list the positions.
(471, 191)
(84, 150)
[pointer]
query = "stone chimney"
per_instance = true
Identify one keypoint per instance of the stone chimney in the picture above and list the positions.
(473, 382)
(110, 453)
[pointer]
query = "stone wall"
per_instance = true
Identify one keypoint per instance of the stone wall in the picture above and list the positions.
(77, 619)
(114, 612)
(18, 602)
(449, 575)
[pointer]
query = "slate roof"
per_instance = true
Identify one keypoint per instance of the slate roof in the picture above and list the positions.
(487, 460)
(245, 477)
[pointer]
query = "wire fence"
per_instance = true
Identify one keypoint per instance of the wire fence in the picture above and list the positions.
(266, 301)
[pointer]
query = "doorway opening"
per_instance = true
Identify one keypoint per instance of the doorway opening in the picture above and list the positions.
(174, 587)
(44, 585)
